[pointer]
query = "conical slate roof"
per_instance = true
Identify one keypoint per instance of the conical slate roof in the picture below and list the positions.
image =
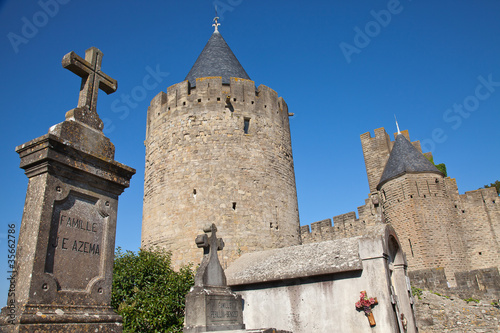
(405, 158)
(216, 59)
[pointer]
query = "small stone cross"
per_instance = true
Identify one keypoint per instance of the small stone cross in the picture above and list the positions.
(93, 79)
(210, 272)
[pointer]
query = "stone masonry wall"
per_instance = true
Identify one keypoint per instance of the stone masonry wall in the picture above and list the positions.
(219, 154)
(376, 151)
(419, 208)
(479, 213)
(344, 225)
(439, 314)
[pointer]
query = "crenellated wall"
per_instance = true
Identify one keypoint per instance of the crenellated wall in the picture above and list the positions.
(219, 154)
(376, 151)
(437, 226)
(344, 225)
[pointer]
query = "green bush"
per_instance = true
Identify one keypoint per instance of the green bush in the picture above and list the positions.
(148, 293)
(416, 292)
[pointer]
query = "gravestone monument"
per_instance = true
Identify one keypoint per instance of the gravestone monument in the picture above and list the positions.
(210, 305)
(65, 252)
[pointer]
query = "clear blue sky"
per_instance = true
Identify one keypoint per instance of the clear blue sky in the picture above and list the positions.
(416, 59)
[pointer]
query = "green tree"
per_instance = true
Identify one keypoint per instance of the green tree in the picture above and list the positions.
(148, 293)
(496, 185)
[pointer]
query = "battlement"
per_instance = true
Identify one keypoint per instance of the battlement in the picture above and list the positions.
(344, 225)
(376, 151)
(480, 196)
(240, 93)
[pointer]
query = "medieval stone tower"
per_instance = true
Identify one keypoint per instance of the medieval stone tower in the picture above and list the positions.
(415, 201)
(218, 150)
(450, 239)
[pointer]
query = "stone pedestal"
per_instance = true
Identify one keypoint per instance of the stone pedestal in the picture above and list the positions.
(213, 309)
(64, 265)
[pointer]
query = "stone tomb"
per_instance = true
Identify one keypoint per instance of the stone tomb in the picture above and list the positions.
(64, 265)
(315, 287)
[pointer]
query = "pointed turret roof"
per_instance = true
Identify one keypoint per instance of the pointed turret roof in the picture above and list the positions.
(405, 158)
(216, 59)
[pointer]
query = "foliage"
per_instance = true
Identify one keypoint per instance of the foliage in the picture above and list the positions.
(148, 293)
(441, 166)
(472, 300)
(495, 304)
(496, 185)
(438, 294)
(416, 292)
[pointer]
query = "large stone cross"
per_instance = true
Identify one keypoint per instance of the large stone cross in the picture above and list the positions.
(93, 79)
(210, 272)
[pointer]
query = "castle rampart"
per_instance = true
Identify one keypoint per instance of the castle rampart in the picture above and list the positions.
(456, 235)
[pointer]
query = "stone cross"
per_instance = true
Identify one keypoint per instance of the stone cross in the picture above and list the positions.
(93, 79)
(210, 272)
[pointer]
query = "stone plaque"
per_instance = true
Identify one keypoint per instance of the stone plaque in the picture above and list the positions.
(223, 309)
(76, 240)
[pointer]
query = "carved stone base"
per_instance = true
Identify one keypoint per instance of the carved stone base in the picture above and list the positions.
(211, 309)
(50, 318)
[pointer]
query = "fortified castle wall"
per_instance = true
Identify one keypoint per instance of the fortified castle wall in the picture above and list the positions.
(219, 153)
(450, 239)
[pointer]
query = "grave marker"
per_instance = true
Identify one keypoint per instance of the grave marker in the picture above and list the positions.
(65, 251)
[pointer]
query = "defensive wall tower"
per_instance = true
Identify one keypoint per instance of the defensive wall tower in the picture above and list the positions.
(218, 150)
(416, 202)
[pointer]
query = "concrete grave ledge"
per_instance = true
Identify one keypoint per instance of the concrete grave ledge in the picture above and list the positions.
(263, 330)
(308, 260)
(329, 257)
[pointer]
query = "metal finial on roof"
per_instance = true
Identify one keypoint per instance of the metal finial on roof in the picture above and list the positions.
(397, 125)
(216, 20)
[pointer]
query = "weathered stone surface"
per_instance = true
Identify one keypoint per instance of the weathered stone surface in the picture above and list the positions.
(440, 229)
(210, 304)
(323, 301)
(64, 264)
(296, 261)
(213, 309)
(201, 167)
(439, 314)
(93, 79)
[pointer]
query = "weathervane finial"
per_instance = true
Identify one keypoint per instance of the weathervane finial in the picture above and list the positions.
(216, 20)
(397, 125)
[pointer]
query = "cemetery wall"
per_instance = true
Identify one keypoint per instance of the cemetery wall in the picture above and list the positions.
(219, 154)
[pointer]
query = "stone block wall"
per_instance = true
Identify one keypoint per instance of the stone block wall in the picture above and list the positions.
(376, 151)
(219, 154)
(479, 213)
(418, 207)
(481, 284)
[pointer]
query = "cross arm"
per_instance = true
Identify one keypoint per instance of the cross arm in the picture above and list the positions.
(83, 68)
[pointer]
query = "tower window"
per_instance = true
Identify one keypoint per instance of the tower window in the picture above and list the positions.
(234, 205)
(246, 125)
(194, 192)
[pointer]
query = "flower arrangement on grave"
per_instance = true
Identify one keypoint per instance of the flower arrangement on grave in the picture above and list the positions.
(366, 303)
